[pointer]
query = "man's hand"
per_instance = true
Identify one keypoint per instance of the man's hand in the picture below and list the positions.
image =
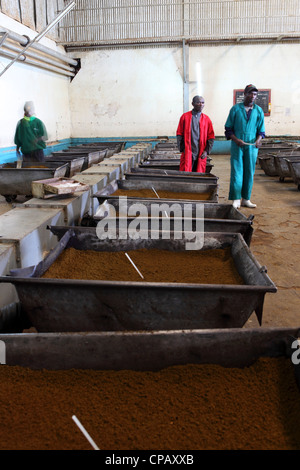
(239, 142)
(258, 142)
(204, 155)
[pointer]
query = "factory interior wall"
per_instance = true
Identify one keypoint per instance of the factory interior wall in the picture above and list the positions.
(215, 71)
(127, 92)
(138, 92)
(21, 83)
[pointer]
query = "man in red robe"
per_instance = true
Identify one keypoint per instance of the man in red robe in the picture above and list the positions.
(195, 137)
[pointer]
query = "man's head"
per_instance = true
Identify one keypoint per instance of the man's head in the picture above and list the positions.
(198, 103)
(29, 108)
(250, 95)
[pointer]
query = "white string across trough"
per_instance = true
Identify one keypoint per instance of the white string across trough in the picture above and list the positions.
(134, 265)
(86, 434)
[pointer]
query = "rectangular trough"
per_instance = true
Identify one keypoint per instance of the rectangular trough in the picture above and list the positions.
(158, 174)
(91, 157)
(294, 166)
(275, 148)
(281, 164)
(66, 305)
(17, 181)
(267, 164)
(144, 350)
(210, 191)
(216, 218)
(76, 165)
(168, 165)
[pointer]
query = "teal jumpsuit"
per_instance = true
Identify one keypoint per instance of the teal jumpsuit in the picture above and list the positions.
(243, 159)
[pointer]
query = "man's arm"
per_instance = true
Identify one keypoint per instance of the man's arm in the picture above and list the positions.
(180, 143)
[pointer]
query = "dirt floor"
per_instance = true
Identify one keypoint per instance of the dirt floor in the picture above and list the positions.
(275, 242)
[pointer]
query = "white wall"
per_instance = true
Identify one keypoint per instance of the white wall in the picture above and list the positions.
(21, 83)
(127, 92)
(139, 92)
(225, 68)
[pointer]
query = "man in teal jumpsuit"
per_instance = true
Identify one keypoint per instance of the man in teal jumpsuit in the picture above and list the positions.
(245, 127)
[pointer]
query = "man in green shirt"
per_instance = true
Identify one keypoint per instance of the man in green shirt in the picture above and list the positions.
(31, 135)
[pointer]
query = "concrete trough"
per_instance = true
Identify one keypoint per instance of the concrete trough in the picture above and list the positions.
(215, 218)
(26, 229)
(106, 167)
(135, 156)
(73, 207)
(65, 305)
(96, 183)
(17, 181)
(103, 169)
(125, 162)
(142, 350)
(198, 188)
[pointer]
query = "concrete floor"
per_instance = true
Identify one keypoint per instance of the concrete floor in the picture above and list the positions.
(275, 242)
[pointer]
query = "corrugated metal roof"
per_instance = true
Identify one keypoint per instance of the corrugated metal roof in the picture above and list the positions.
(100, 22)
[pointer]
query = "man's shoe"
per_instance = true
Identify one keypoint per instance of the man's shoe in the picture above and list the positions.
(236, 203)
(247, 203)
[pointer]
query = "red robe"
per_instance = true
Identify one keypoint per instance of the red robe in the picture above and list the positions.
(206, 133)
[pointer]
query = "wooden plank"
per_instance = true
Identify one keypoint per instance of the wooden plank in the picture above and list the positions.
(51, 15)
(60, 6)
(27, 13)
(56, 186)
(11, 8)
(41, 15)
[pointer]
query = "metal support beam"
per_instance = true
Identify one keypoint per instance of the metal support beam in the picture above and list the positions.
(185, 53)
(39, 36)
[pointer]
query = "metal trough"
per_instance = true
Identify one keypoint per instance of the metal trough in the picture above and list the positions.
(267, 164)
(91, 157)
(167, 175)
(115, 146)
(281, 164)
(168, 164)
(294, 166)
(144, 350)
(275, 148)
(64, 305)
(164, 156)
(76, 165)
(17, 181)
(174, 187)
(216, 218)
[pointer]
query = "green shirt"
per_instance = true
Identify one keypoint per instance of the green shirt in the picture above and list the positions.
(30, 134)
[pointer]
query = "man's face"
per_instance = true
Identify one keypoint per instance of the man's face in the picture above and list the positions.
(198, 104)
(250, 98)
